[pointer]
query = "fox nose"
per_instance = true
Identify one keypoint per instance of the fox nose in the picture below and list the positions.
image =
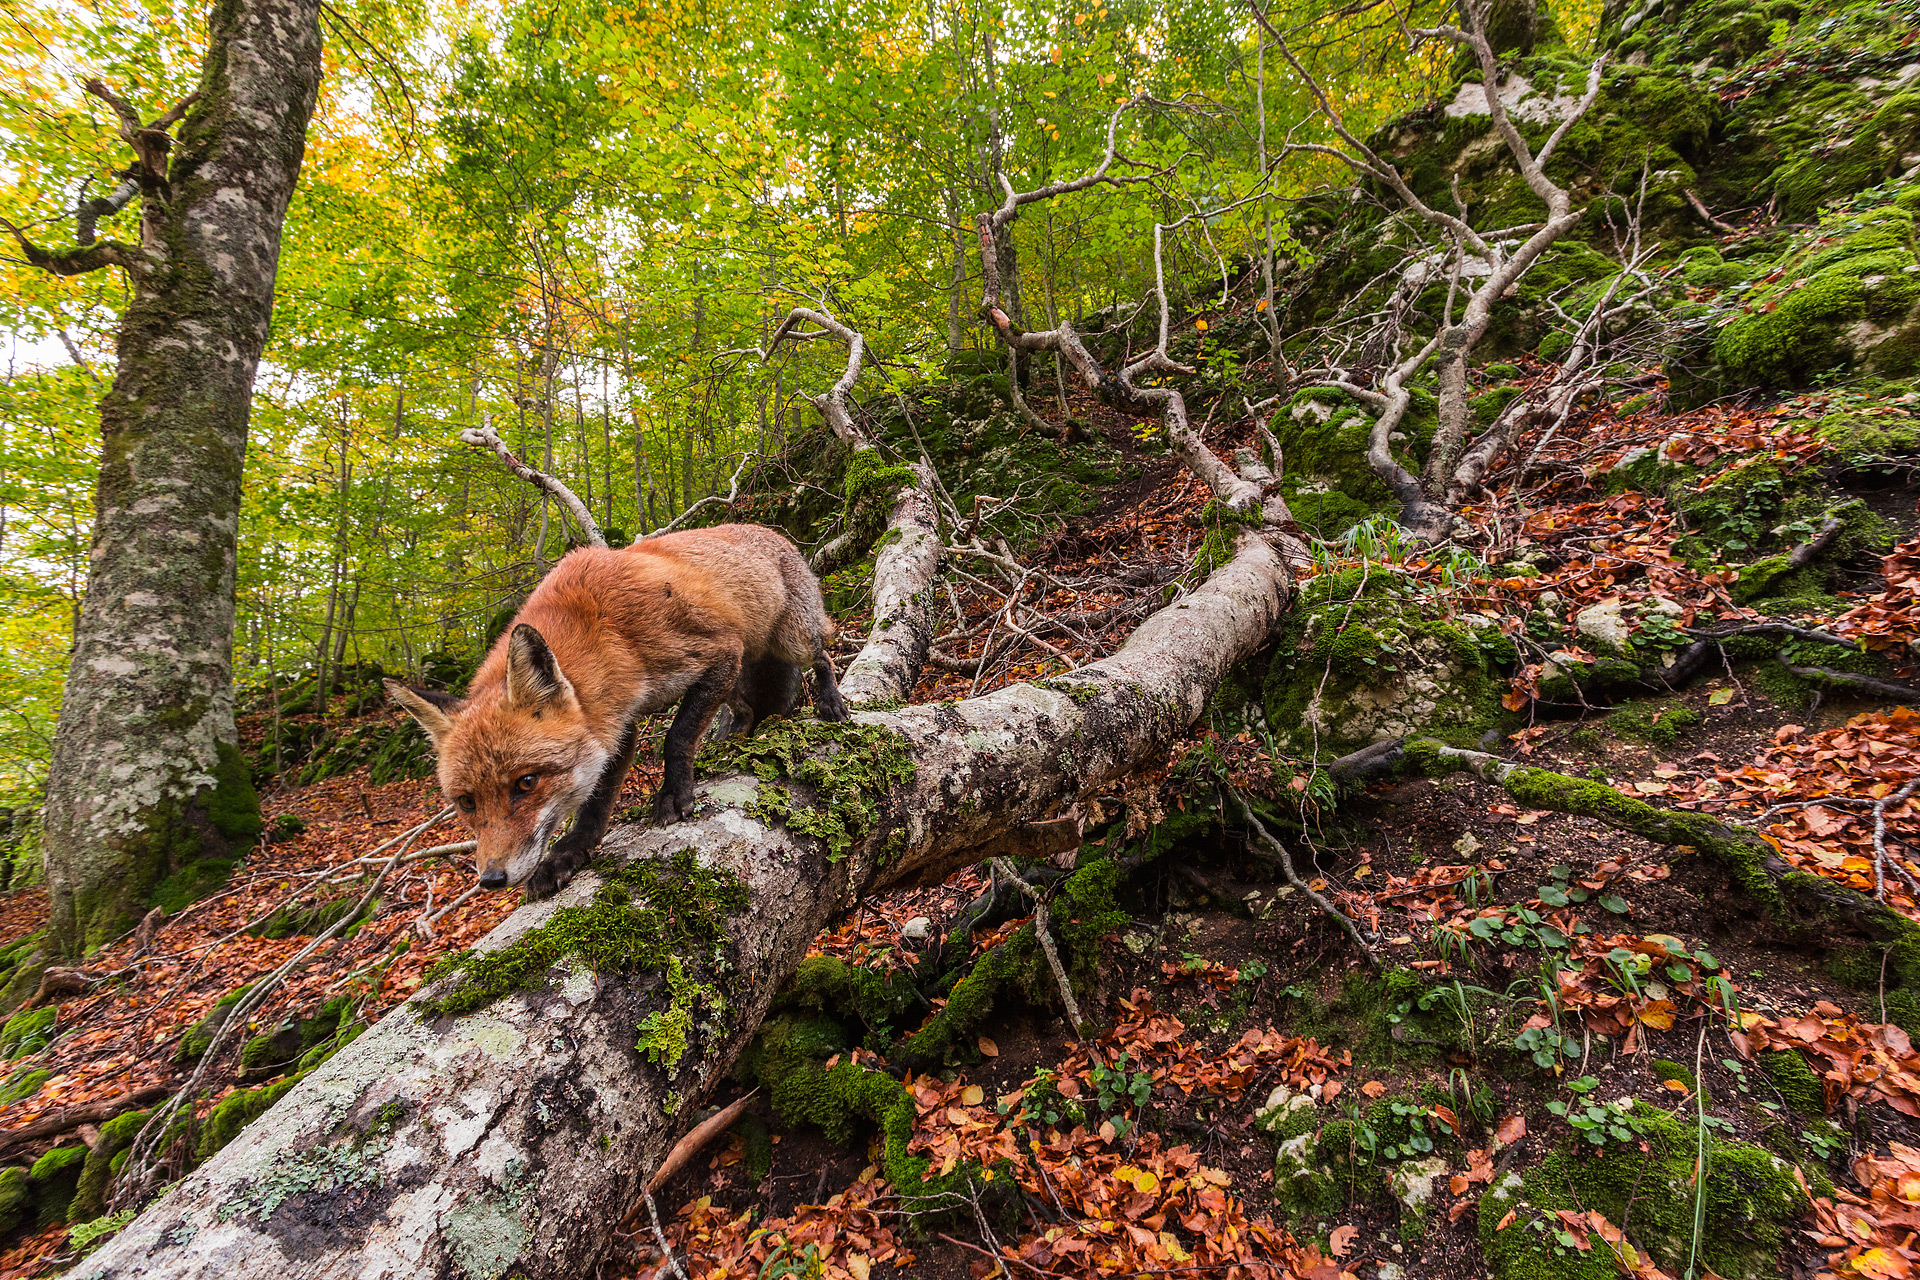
(493, 879)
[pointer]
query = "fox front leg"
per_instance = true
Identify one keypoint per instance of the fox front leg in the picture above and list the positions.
(697, 710)
(571, 851)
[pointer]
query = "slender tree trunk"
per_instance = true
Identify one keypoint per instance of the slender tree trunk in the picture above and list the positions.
(146, 771)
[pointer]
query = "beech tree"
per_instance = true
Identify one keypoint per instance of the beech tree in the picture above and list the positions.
(146, 775)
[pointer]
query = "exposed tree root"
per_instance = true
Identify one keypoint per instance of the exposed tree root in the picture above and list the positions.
(1273, 851)
(1832, 681)
(1808, 906)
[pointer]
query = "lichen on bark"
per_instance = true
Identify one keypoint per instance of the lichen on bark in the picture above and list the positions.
(145, 775)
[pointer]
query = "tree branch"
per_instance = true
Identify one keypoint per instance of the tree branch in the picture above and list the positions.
(485, 437)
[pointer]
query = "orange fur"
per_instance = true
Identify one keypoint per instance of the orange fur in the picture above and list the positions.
(630, 631)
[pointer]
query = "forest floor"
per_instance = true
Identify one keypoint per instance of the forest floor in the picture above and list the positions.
(1230, 1017)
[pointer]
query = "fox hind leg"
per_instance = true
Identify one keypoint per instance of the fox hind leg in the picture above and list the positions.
(770, 686)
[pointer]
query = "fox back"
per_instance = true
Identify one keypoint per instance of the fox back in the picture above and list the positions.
(609, 636)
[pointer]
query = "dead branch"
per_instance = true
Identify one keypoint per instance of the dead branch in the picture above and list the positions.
(1273, 851)
(1880, 860)
(70, 1118)
(1454, 339)
(485, 437)
(697, 1137)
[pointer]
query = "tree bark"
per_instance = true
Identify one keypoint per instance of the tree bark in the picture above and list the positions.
(146, 774)
(513, 1139)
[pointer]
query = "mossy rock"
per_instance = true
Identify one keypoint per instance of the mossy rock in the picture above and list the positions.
(237, 1110)
(96, 1174)
(198, 1038)
(54, 1177)
(16, 1197)
(1843, 300)
(1799, 1085)
(1662, 723)
(1752, 1205)
(24, 1084)
(1361, 661)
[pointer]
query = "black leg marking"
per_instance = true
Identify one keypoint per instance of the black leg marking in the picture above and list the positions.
(697, 709)
(771, 686)
(570, 852)
(826, 691)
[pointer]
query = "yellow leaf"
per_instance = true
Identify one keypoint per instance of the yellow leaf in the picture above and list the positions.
(1658, 1014)
(1720, 697)
(857, 1266)
(972, 1096)
(1172, 1246)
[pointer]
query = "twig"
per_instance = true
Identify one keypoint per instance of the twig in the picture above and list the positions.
(485, 437)
(1880, 839)
(1285, 860)
(1045, 937)
(137, 1177)
(660, 1236)
(697, 1137)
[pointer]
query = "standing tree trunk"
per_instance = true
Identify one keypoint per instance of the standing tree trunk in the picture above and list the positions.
(146, 772)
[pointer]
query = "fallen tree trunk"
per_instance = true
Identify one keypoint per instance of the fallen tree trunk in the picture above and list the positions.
(513, 1138)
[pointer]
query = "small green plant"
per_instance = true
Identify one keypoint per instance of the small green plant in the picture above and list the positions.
(1480, 1104)
(1599, 1122)
(1116, 1089)
(1546, 1045)
(1825, 1140)
(784, 1265)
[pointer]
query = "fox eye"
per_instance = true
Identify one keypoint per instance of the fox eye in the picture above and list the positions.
(525, 783)
(465, 803)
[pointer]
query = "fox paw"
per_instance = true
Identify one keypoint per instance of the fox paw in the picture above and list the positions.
(670, 807)
(554, 874)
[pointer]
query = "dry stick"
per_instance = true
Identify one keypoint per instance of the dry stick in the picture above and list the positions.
(1041, 932)
(1854, 682)
(1285, 859)
(484, 437)
(688, 1147)
(1880, 839)
(660, 1236)
(137, 1177)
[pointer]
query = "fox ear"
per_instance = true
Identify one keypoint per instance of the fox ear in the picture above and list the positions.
(434, 711)
(534, 679)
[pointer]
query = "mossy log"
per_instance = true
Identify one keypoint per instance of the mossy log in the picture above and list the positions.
(1806, 905)
(513, 1138)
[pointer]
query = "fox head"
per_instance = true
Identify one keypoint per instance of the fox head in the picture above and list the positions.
(517, 758)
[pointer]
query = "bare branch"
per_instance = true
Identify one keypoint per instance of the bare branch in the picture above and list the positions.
(733, 491)
(485, 437)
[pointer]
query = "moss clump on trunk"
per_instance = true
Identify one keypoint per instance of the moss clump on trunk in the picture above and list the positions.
(646, 917)
(845, 767)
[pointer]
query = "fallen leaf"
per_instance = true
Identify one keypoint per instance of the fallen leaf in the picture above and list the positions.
(988, 1049)
(1508, 1220)
(1374, 1088)
(1340, 1239)
(1511, 1130)
(972, 1096)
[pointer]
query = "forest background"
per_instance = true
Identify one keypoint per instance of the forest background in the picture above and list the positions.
(578, 223)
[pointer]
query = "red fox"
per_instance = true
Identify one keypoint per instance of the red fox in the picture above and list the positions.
(727, 615)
